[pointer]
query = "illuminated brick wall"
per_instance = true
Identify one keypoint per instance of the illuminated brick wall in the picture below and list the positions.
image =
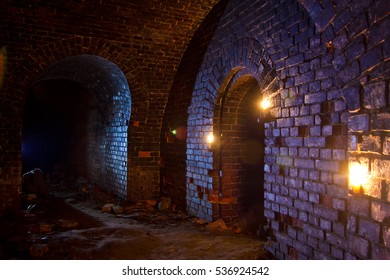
(331, 108)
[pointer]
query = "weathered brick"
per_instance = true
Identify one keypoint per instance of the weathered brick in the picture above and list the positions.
(337, 241)
(324, 73)
(283, 239)
(375, 95)
(304, 78)
(379, 210)
(369, 230)
(294, 60)
(314, 142)
(337, 253)
(386, 232)
(315, 86)
(314, 187)
(326, 177)
(303, 206)
(321, 256)
(358, 245)
(359, 123)
(339, 204)
(302, 215)
(315, 97)
(380, 168)
(349, 256)
(374, 188)
(304, 163)
(302, 248)
(386, 146)
(356, 49)
(284, 200)
(350, 72)
(326, 213)
(371, 59)
(379, 252)
(352, 221)
(285, 132)
(269, 214)
(314, 197)
(294, 141)
(325, 225)
(352, 244)
(339, 154)
(315, 109)
(306, 120)
(325, 165)
(327, 84)
(339, 229)
(314, 153)
(286, 161)
(371, 143)
(303, 174)
(285, 122)
(292, 212)
(359, 206)
(283, 210)
(380, 121)
(303, 152)
(326, 153)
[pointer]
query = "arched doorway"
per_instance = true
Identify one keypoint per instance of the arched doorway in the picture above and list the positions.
(238, 155)
(76, 119)
(55, 129)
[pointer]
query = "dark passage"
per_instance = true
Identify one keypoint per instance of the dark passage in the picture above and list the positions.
(54, 126)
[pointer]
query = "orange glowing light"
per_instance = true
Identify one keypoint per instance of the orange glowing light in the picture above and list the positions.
(358, 176)
(210, 138)
(265, 103)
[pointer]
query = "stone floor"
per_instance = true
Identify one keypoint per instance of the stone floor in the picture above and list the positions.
(72, 225)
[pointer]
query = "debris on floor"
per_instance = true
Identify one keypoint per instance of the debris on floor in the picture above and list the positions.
(70, 225)
(217, 225)
(107, 207)
(38, 250)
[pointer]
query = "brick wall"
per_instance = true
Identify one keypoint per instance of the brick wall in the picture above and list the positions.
(103, 160)
(145, 40)
(173, 146)
(330, 109)
(324, 64)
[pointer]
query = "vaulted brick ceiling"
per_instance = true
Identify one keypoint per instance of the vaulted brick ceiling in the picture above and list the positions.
(155, 32)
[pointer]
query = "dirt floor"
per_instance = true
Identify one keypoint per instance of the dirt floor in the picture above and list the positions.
(72, 225)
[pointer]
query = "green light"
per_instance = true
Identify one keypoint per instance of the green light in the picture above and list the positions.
(174, 132)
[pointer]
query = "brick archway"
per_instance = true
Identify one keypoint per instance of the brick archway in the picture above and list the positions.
(253, 62)
(238, 154)
(21, 78)
(105, 117)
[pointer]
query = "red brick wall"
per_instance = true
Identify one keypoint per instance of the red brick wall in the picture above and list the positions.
(173, 147)
(145, 40)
